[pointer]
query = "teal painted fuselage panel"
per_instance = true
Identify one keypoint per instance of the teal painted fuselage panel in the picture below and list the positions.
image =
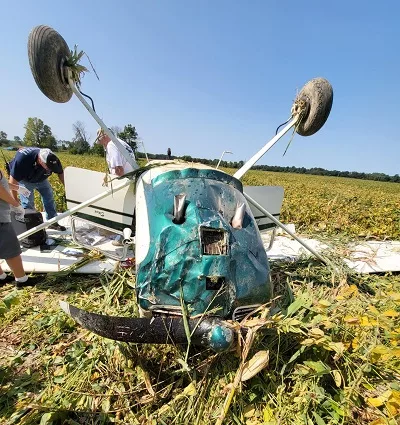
(178, 263)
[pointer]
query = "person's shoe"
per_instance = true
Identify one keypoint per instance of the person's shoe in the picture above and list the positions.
(58, 227)
(32, 281)
(8, 279)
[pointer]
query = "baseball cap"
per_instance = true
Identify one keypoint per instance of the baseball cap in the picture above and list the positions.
(101, 133)
(52, 162)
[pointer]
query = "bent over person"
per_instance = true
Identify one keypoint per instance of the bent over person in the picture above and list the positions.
(31, 167)
(10, 249)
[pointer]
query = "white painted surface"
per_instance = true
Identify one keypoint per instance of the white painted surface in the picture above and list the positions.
(374, 256)
(56, 260)
(142, 224)
(365, 257)
(81, 185)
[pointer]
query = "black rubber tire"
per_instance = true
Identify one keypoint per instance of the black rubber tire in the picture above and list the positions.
(318, 95)
(47, 52)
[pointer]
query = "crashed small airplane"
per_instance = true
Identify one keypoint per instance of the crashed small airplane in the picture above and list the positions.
(200, 260)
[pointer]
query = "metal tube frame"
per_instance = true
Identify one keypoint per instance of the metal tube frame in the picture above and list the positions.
(119, 146)
(124, 247)
(219, 162)
(99, 121)
(239, 174)
(246, 167)
(144, 148)
(282, 226)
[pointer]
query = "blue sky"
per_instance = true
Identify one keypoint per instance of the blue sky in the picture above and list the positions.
(206, 76)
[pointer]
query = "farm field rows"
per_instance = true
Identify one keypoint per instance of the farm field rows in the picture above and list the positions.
(332, 337)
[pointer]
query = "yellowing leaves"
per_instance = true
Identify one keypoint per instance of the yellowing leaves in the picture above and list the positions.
(268, 414)
(350, 320)
(394, 296)
(389, 399)
(60, 371)
(379, 421)
(350, 291)
(367, 321)
(324, 304)
(316, 333)
(249, 411)
(373, 310)
(391, 313)
(337, 377)
(382, 353)
(376, 402)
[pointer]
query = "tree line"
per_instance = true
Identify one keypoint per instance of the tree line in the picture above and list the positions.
(40, 135)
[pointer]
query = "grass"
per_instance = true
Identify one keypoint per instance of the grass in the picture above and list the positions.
(333, 358)
(331, 338)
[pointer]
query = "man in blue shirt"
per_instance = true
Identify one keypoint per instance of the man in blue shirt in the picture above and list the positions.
(31, 167)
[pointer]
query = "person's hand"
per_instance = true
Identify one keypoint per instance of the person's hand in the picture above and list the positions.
(19, 212)
(23, 191)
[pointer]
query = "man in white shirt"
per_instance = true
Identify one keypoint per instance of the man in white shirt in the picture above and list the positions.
(117, 163)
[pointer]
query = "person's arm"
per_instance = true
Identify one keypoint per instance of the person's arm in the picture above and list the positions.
(6, 196)
(61, 178)
(13, 186)
(14, 192)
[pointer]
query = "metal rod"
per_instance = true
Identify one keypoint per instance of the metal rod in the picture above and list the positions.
(109, 133)
(246, 167)
(219, 162)
(144, 148)
(73, 210)
(282, 226)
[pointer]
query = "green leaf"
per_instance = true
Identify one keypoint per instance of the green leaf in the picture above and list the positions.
(319, 367)
(105, 405)
(318, 419)
(11, 299)
(47, 418)
(3, 309)
(296, 305)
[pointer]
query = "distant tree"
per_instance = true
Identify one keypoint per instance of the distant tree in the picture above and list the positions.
(80, 142)
(97, 149)
(116, 130)
(3, 138)
(17, 140)
(38, 134)
(130, 136)
(63, 145)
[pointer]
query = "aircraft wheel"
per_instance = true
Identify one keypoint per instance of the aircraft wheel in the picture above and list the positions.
(48, 52)
(316, 99)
